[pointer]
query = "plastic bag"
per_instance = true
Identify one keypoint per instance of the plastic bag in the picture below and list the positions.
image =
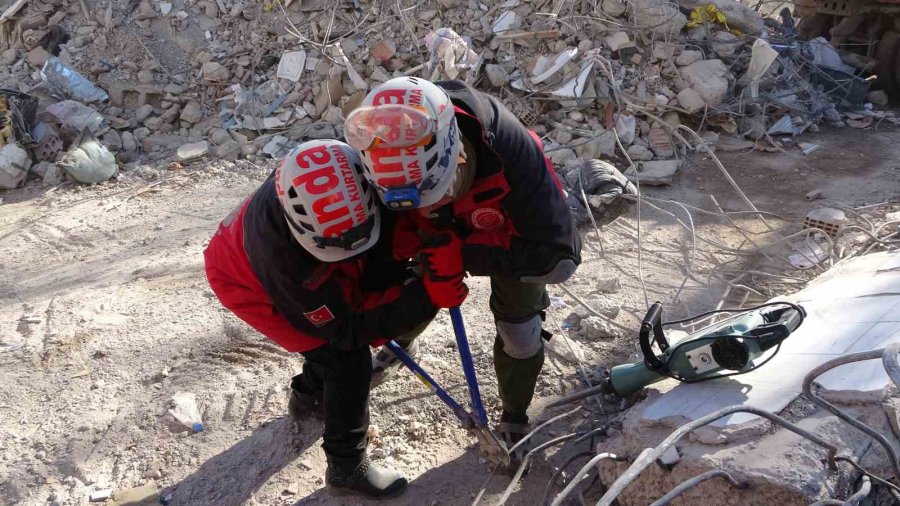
(448, 53)
(625, 127)
(89, 163)
(77, 116)
(184, 410)
(67, 83)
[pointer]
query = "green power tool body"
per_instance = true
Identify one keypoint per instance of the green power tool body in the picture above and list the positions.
(732, 346)
(736, 345)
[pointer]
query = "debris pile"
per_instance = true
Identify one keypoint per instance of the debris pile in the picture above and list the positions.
(156, 80)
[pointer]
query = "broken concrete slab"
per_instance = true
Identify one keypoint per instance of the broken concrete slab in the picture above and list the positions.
(145, 495)
(228, 149)
(132, 96)
(780, 466)
(592, 327)
(192, 150)
(725, 44)
(496, 74)
(709, 78)
(687, 57)
(604, 144)
(690, 100)
(614, 8)
(214, 72)
(561, 156)
(656, 16)
(192, 113)
(37, 57)
(383, 51)
(616, 40)
(639, 153)
(655, 173)
(219, 136)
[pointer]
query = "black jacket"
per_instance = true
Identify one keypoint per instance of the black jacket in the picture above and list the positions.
(367, 297)
(544, 232)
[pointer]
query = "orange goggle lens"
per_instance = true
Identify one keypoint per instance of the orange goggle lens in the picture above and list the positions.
(388, 126)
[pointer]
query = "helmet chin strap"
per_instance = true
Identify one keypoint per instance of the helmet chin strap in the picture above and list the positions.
(351, 239)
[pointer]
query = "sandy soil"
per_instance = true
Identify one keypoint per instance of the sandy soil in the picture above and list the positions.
(107, 314)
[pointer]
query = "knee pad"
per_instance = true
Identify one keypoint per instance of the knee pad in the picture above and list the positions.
(521, 340)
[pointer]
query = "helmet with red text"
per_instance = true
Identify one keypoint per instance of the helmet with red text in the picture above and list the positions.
(406, 129)
(329, 206)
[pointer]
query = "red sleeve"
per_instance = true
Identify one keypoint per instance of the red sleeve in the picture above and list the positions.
(234, 283)
(249, 306)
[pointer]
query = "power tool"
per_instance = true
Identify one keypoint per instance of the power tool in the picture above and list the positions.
(736, 345)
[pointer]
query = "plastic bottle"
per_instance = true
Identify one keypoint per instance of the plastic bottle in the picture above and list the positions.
(184, 409)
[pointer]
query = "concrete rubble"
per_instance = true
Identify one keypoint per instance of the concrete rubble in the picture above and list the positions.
(256, 72)
(850, 309)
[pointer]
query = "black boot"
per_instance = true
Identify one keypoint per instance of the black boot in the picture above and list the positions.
(362, 477)
(303, 406)
(513, 429)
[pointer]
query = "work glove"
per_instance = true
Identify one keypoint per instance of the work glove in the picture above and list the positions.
(443, 263)
(406, 242)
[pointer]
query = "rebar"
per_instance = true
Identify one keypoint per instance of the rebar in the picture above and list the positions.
(854, 499)
(521, 470)
(581, 474)
(648, 457)
(693, 482)
(891, 365)
(860, 494)
(843, 360)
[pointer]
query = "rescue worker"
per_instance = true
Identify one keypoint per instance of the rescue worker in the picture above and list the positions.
(301, 262)
(465, 166)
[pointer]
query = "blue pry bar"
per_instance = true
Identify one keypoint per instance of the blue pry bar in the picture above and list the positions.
(465, 355)
(464, 416)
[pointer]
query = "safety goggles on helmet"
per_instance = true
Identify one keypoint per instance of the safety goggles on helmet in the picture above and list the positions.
(389, 126)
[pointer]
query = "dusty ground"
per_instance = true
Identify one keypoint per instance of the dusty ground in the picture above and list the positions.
(107, 314)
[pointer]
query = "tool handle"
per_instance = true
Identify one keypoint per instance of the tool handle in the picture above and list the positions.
(465, 355)
(426, 378)
(653, 323)
(773, 333)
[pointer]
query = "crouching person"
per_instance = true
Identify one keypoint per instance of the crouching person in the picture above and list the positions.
(301, 262)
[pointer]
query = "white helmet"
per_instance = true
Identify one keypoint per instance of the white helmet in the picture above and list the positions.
(406, 129)
(329, 206)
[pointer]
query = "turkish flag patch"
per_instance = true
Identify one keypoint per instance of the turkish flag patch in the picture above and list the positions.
(320, 316)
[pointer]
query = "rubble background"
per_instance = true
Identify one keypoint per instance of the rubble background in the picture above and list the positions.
(250, 79)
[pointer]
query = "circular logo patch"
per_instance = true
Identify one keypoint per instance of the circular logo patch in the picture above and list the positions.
(487, 218)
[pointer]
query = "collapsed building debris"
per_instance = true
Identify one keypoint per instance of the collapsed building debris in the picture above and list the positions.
(260, 71)
(742, 448)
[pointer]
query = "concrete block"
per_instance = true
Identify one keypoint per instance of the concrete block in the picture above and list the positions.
(709, 78)
(133, 96)
(655, 173)
(192, 150)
